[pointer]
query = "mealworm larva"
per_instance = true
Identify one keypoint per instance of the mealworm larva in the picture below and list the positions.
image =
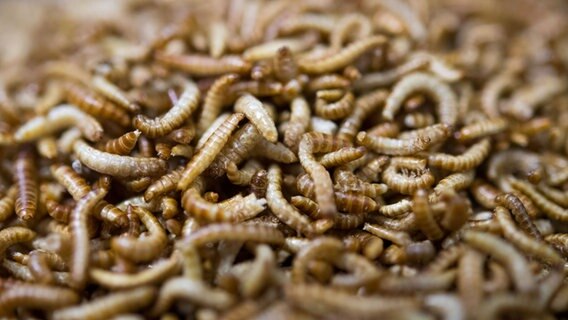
(345, 25)
(559, 241)
(320, 300)
(53, 94)
(26, 180)
(525, 101)
(552, 210)
(256, 88)
(398, 237)
(491, 92)
(412, 21)
(89, 102)
(498, 279)
(243, 176)
(163, 150)
(342, 156)
(439, 91)
(328, 82)
(342, 221)
(259, 273)
(280, 206)
(113, 93)
(470, 279)
(274, 151)
(145, 248)
(214, 101)
(322, 23)
(421, 283)
(323, 248)
(406, 175)
(207, 153)
(202, 65)
(364, 106)
(7, 203)
(418, 120)
(385, 129)
(35, 296)
(448, 306)
(456, 211)
(253, 109)
(71, 180)
(504, 253)
(513, 203)
(529, 245)
(419, 253)
(203, 210)
(299, 122)
(284, 65)
(343, 57)
(47, 147)
(259, 183)
(507, 303)
(156, 274)
(482, 129)
(335, 110)
(169, 207)
(12, 235)
(236, 150)
(240, 232)
(195, 291)
(371, 170)
(79, 226)
(66, 69)
(137, 185)
(164, 184)
(445, 259)
(424, 217)
(271, 49)
(40, 264)
(218, 35)
(384, 78)
(484, 193)
(116, 165)
(471, 158)
(183, 135)
(109, 305)
(555, 195)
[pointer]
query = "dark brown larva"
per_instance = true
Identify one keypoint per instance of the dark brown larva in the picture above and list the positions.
(26, 179)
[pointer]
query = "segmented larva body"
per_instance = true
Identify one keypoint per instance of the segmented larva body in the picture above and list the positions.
(482, 129)
(406, 175)
(47, 148)
(202, 209)
(399, 238)
(274, 151)
(218, 35)
(552, 210)
(484, 193)
(113, 93)
(207, 153)
(259, 183)
(91, 103)
(242, 177)
(384, 78)
(555, 195)
(401, 147)
(253, 109)
(364, 106)
(525, 101)
(342, 156)
(233, 232)
(342, 58)
(470, 159)
(341, 222)
(26, 180)
(214, 101)
(116, 165)
(284, 65)
(491, 92)
(53, 94)
(323, 23)
(322, 248)
(40, 264)
(424, 217)
(71, 180)
(175, 116)
(335, 110)
(328, 81)
(513, 203)
(298, 124)
(12, 235)
(441, 92)
(35, 296)
(418, 120)
(164, 184)
(385, 129)
(169, 207)
(370, 171)
(7, 203)
(202, 65)
(344, 27)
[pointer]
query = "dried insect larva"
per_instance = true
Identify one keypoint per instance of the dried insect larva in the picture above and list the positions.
(424, 217)
(89, 102)
(144, 248)
(482, 129)
(320, 300)
(156, 274)
(240, 232)
(471, 158)
(116, 165)
(113, 93)
(398, 237)
(552, 210)
(207, 153)
(270, 50)
(529, 245)
(470, 279)
(40, 264)
(202, 65)
(47, 147)
(35, 296)
(164, 184)
(345, 25)
(335, 110)
(109, 305)
(7, 203)
(80, 237)
(441, 92)
(195, 291)
(484, 193)
(258, 115)
(525, 101)
(504, 253)
(280, 206)
(71, 180)
(12, 235)
(27, 182)
(406, 175)
(342, 156)
(513, 203)
(343, 57)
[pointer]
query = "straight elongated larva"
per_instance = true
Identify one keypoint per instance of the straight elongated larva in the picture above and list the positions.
(109, 305)
(470, 159)
(470, 279)
(202, 65)
(7, 203)
(342, 156)
(116, 165)
(424, 217)
(440, 92)
(342, 58)
(144, 248)
(552, 210)
(80, 237)
(89, 102)
(164, 184)
(207, 153)
(175, 116)
(506, 254)
(280, 206)
(274, 151)
(520, 214)
(214, 101)
(482, 129)
(420, 283)
(398, 237)
(298, 124)
(383, 78)
(113, 93)
(218, 35)
(35, 296)
(27, 182)
(239, 232)
(270, 49)
(253, 109)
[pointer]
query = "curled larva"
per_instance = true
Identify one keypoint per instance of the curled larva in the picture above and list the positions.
(299, 122)
(406, 175)
(397, 237)
(53, 94)
(40, 264)
(109, 305)
(424, 217)
(525, 101)
(470, 279)
(202, 65)
(207, 153)
(175, 116)
(164, 184)
(256, 88)
(506, 254)
(280, 206)
(235, 232)
(493, 89)
(35, 296)
(470, 159)
(113, 93)
(344, 27)
(513, 203)
(411, 19)
(342, 221)
(342, 156)
(145, 248)
(12, 235)
(440, 92)
(253, 109)
(7, 203)
(27, 182)
(482, 129)
(364, 107)
(327, 82)
(58, 118)
(75, 184)
(342, 58)
(528, 245)
(484, 193)
(552, 210)
(89, 102)
(203, 210)
(242, 177)
(214, 101)
(79, 225)
(335, 110)
(323, 248)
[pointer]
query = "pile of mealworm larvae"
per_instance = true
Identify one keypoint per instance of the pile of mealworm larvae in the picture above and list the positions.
(258, 159)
